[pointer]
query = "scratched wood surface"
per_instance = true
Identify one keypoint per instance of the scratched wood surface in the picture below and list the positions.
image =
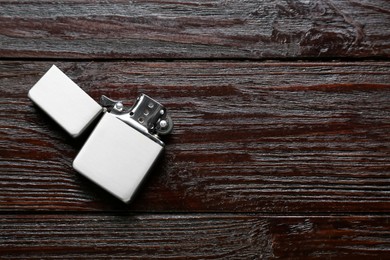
(204, 236)
(281, 146)
(195, 29)
(269, 137)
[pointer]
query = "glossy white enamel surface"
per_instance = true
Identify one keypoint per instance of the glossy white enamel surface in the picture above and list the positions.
(64, 101)
(117, 157)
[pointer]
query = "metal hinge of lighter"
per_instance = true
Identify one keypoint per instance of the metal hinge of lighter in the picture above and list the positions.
(123, 145)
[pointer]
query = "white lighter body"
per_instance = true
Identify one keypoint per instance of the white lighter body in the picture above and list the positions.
(124, 144)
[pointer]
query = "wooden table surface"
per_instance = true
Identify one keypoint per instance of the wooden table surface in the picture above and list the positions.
(281, 146)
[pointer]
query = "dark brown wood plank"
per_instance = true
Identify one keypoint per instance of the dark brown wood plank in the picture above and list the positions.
(250, 137)
(195, 29)
(192, 237)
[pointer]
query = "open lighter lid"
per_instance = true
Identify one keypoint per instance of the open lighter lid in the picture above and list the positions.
(64, 101)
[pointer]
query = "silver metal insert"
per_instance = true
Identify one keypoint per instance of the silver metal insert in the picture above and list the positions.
(146, 115)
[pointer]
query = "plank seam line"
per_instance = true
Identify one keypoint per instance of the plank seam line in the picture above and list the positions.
(300, 59)
(166, 213)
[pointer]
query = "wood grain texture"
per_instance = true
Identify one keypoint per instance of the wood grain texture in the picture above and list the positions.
(191, 236)
(195, 29)
(268, 160)
(248, 137)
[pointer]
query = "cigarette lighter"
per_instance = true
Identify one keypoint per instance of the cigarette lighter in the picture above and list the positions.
(124, 144)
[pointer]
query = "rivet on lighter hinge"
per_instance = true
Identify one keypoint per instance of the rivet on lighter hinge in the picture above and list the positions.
(119, 106)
